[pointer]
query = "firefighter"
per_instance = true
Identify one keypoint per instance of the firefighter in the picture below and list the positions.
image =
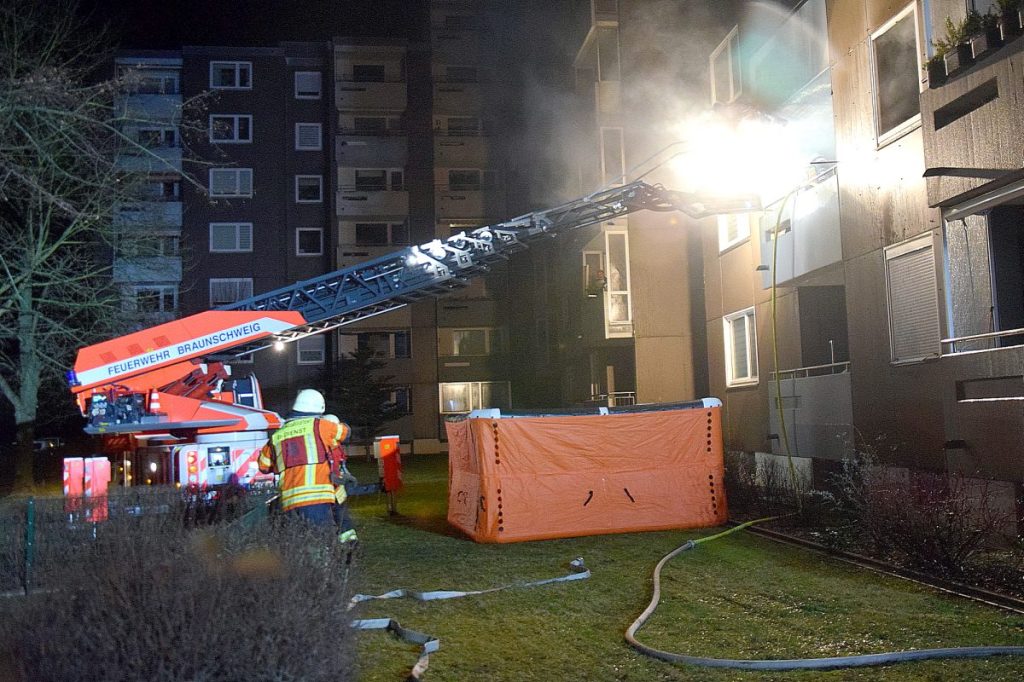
(303, 452)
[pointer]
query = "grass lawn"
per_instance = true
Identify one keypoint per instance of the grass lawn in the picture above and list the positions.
(739, 597)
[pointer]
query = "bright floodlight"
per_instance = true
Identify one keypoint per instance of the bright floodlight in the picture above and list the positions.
(750, 156)
(279, 345)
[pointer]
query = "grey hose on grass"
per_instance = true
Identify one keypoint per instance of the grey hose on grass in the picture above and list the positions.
(830, 663)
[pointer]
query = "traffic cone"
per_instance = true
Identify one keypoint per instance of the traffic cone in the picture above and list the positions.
(154, 402)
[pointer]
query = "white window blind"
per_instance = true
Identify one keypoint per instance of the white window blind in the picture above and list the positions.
(913, 301)
(230, 182)
(307, 136)
(310, 350)
(229, 290)
(230, 237)
(307, 84)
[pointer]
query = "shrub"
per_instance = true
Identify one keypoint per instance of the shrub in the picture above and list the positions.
(153, 597)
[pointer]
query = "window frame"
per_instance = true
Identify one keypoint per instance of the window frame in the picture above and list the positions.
(320, 189)
(299, 125)
(727, 44)
(238, 173)
(298, 241)
(162, 289)
(307, 94)
(235, 280)
(478, 385)
(389, 233)
(322, 350)
(238, 238)
(883, 138)
(750, 331)
(237, 67)
(891, 253)
(724, 243)
(236, 139)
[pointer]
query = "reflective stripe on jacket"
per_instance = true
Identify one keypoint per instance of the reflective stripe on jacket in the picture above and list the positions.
(301, 452)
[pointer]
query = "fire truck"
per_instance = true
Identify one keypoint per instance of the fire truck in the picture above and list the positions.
(173, 381)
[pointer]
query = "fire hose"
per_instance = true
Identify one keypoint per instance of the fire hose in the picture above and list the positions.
(830, 663)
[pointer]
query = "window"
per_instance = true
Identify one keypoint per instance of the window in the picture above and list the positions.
(135, 245)
(370, 125)
(231, 75)
(462, 397)
(307, 84)
(381, 234)
(307, 137)
(231, 128)
(368, 73)
(612, 161)
(726, 79)
(608, 53)
(157, 84)
(156, 138)
(740, 348)
(309, 241)
(231, 182)
(913, 301)
(230, 237)
(229, 290)
(401, 398)
(461, 74)
(463, 125)
(594, 279)
(468, 342)
(469, 179)
(733, 228)
(154, 298)
(309, 189)
(162, 190)
(896, 76)
(618, 306)
(389, 345)
(310, 350)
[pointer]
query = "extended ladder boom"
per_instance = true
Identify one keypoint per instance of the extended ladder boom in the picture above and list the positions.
(397, 279)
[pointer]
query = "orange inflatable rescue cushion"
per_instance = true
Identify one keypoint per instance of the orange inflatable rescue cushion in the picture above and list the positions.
(531, 478)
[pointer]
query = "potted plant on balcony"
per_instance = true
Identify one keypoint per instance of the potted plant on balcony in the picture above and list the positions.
(936, 66)
(958, 54)
(983, 31)
(1009, 19)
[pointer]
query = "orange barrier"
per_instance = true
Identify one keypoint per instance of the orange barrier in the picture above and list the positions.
(532, 478)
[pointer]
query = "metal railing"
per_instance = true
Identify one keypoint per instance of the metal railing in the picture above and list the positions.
(615, 399)
(989, 336)
(813, 370)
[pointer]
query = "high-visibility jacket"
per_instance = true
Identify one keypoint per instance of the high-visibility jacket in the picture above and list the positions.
(303, 453)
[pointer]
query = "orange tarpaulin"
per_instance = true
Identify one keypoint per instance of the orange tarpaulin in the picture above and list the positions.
(530, 478)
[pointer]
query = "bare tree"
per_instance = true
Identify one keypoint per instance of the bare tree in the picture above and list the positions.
(62, 132)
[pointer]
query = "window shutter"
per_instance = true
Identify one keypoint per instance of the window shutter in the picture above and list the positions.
(913, 305)
(307, 136)
(245, 238)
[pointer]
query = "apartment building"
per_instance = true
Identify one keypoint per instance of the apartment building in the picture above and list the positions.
(308, 157)
(875, 301)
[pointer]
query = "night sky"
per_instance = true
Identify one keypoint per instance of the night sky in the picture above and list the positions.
(169, 24)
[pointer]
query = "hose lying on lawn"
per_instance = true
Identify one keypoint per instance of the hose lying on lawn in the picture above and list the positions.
(428, 643)
(830, 663)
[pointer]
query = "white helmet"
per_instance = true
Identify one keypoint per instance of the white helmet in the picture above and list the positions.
(309, 401)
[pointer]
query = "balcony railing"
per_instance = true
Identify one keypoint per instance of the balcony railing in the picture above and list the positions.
(614, 399)
(817, 404)
(991, 338)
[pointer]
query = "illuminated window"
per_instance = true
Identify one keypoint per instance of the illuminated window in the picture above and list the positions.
(463, 397)
(740, 348)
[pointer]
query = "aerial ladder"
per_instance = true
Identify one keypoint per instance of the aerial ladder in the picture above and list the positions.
(173, 381)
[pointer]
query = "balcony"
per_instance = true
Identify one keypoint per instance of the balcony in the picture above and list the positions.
(150, 108)
(808, 232)
(357, 151)
(157, 160)
(354, 202)
(468, 203)
(608, 97)
(981, 104)
(371, 95)
(462, 151)
(461, 98)
(148, 269)
(149, 215)
(818, 407)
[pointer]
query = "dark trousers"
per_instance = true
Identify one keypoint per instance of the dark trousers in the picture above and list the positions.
(326, 513)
